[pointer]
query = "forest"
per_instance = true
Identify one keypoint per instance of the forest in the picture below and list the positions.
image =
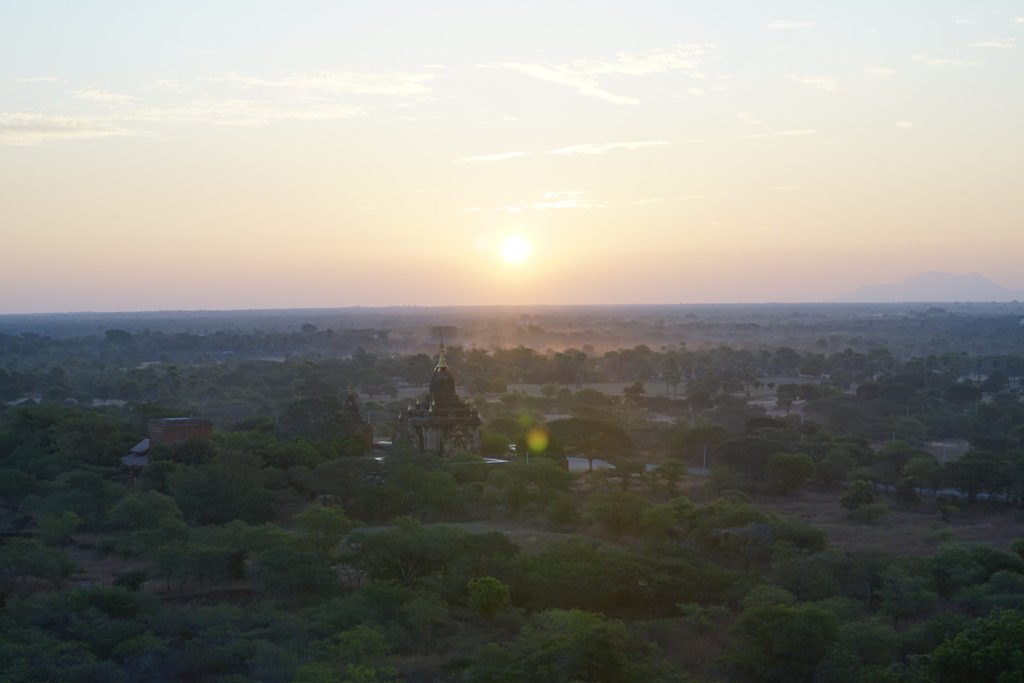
(700, 494)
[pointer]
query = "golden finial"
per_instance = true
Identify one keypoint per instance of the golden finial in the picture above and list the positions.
(441, 363)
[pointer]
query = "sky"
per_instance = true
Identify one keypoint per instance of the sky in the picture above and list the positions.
(250, 155)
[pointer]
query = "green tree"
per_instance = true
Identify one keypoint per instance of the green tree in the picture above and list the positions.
(859, 493)
(787, 473)
(782, 643)
(561, 646)
(407, 553)
(488, 596)
(15, 486)
(989, 650)
(590, 438)
(322, 527)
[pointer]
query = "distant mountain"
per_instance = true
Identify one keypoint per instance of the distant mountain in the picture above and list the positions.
(933, 286)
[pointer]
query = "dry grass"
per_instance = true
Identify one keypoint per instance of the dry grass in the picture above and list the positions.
(914, 530)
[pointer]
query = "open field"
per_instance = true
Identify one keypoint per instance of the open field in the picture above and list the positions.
(902, 531)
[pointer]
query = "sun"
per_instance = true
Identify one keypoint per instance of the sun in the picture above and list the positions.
(515, 249)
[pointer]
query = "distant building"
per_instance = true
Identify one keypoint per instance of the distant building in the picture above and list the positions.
(173, 431)
(166, 431)
(443, 424)
(357, 423)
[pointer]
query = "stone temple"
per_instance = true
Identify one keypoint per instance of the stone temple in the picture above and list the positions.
(443, 424)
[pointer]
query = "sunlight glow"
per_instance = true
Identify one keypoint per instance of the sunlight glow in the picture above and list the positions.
(515, 249)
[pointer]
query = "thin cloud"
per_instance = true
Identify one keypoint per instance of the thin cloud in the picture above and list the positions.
(607, 147)
(873, 72)
(588, 149)
(495, 157)
(103, 96)
(401, 83)
(1019, 20)
(658, 200)
(790, 24)
(795, 132)
(820, 82)
(584, 83)
(921, 59)
(748, 118)
(995, 43)
(566, 199)
(785, 187)
(585, 75)
(171, 85)
(39, 79)
(903, 124)
(239, 112)
(32, 129)
(697, 92)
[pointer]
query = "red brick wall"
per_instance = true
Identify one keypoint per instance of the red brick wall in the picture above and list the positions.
(174, 431)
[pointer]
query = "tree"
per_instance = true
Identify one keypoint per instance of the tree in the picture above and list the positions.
(987, 650)
(782, 643)
(407, 553)
(975, 472)
(15, 486)
(670, 472)
(322, 527)
(860, 493)
(488, 596)
(561, 646)
(788, 472)
(634, 392)
(590, 438)
(749, 455)
(620, 513)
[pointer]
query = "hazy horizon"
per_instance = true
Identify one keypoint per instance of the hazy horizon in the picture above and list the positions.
(252, 156)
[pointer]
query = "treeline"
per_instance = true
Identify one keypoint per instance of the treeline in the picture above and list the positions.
(255, 556)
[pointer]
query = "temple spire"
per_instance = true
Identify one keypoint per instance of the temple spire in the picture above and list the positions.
(441, 363)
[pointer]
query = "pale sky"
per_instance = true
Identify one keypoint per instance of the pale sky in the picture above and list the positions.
(224, 155)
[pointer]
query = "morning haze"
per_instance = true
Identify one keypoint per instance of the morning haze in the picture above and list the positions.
(222, 157)
(545, 342)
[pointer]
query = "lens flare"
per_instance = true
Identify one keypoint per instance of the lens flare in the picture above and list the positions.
(537, 440)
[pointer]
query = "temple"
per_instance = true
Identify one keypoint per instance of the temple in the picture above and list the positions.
(443, 424)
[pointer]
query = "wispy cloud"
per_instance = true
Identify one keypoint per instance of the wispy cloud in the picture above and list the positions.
(696, 92)
(102, 96)
(1019, 20)
(785, 187)
(38, 79)
(585, 75)
(795, 132)
(903, 124)
(995, 42)
(170, 85)
(581, 199)
(606, 147)
(921, 59)
(32, 129)
(495, 157)
(820, 82)
(401, 83)
(588, 149)
(790, 24)
(567, 199)
(872, 72)
(748, 118)
(239, 112)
